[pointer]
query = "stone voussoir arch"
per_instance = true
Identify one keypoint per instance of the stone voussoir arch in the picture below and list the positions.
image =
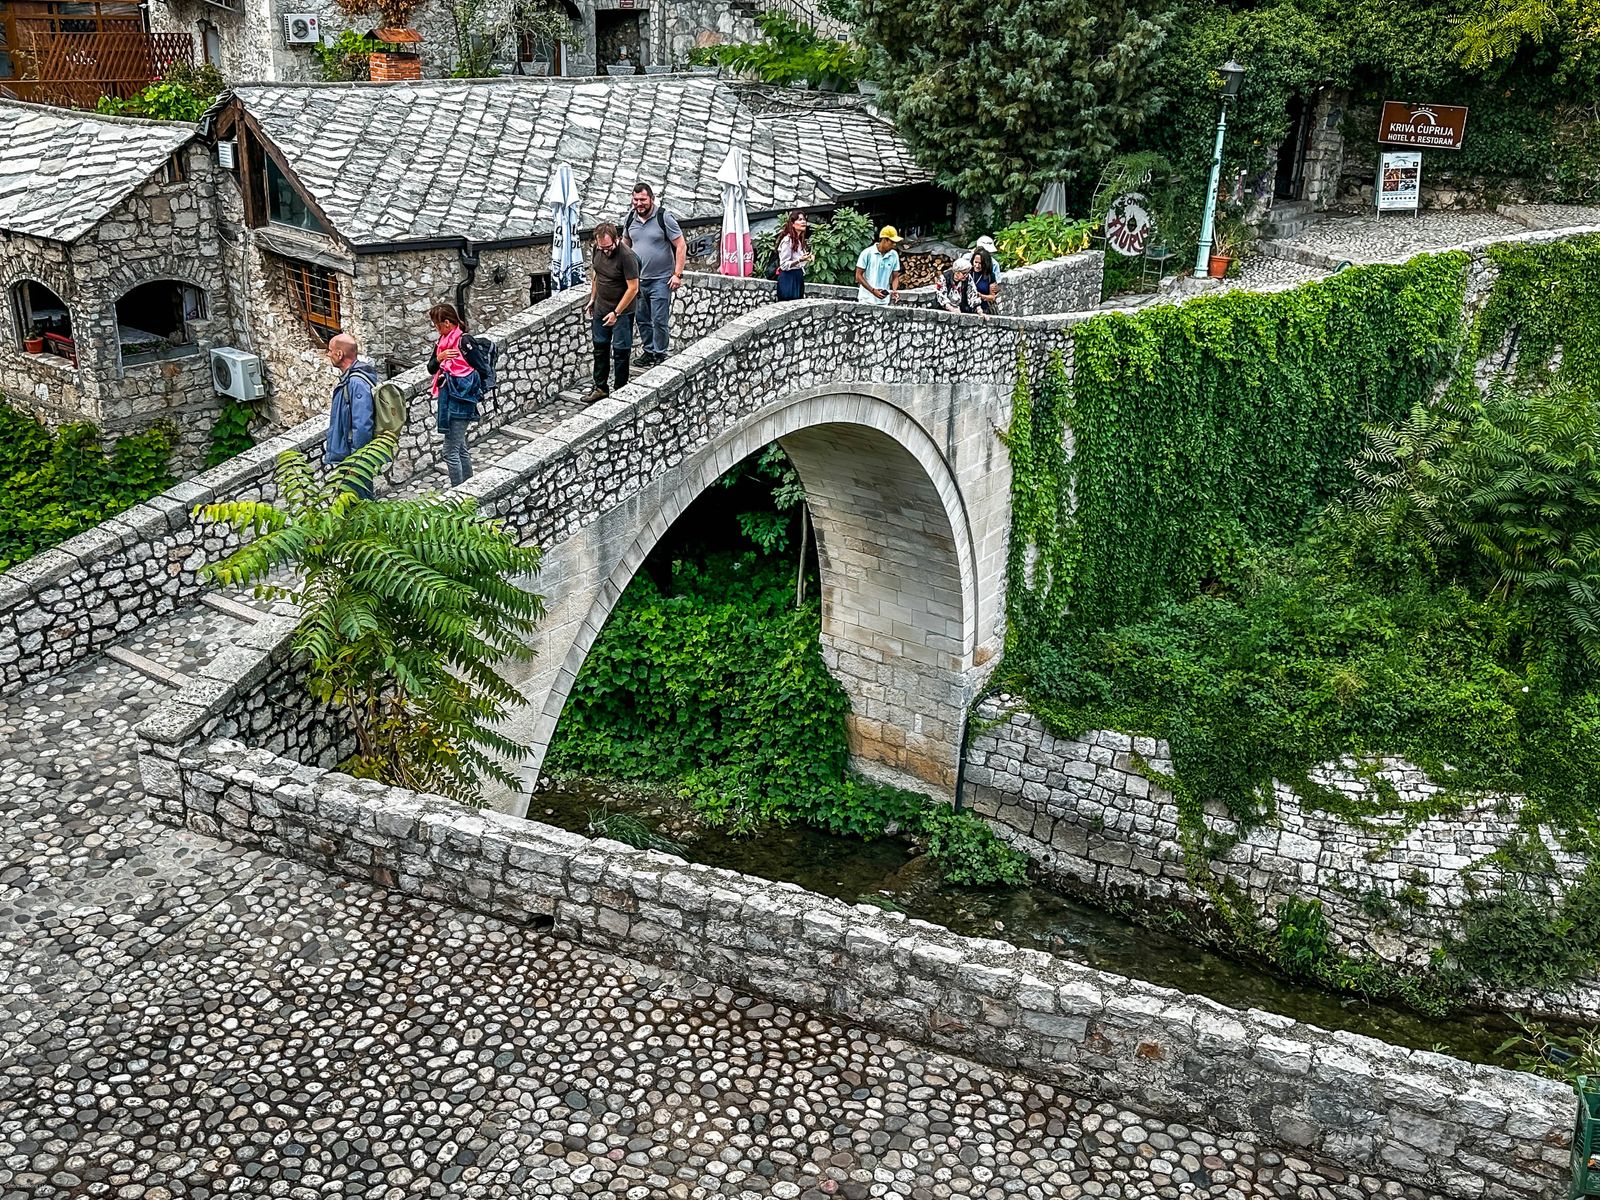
(894, 535)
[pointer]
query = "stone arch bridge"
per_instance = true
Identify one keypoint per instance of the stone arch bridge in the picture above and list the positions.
(891, 417)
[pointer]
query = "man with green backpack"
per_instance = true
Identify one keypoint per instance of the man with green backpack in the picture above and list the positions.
(353, 413)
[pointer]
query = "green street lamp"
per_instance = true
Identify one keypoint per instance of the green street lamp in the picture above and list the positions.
(1232, 78)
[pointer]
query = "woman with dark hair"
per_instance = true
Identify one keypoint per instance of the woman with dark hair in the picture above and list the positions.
(986, 277)
(794, 254)
(457, 385)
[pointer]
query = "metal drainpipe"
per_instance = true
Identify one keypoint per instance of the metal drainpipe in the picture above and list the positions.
(469, 260)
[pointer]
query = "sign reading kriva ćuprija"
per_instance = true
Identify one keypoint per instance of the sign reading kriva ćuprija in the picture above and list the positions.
(1426, 126)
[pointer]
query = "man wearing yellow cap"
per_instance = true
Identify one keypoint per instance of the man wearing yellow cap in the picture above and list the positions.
(878, 269)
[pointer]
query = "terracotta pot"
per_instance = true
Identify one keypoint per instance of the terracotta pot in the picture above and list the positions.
(33, 345)
(1218, 266)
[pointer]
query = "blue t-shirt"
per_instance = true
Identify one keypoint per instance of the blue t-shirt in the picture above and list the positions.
(653, 244)
(877, 269)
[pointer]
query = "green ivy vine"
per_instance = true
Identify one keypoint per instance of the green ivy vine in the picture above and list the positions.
(1201, 428)
(1179, 567)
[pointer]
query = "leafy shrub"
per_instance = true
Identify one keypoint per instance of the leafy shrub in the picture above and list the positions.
(789, 52)
(407, 611)
(54, 486)
(836, 244)
(1509, 485)
(1302, 936)
(182, 94)
(968, 851)
(720, 688)
(231, 433)
(1040, 237)
(347, 58)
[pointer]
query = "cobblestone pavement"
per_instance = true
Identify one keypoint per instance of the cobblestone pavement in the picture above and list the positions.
(1371, 238)
(186, 1019)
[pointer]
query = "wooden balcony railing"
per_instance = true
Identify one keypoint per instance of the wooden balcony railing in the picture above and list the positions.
(76, 68)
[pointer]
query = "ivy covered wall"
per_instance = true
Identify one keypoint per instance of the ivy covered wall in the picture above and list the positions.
(1197, 429)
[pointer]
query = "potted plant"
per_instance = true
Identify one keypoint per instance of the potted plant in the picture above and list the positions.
(1229, 240)
(33, 340)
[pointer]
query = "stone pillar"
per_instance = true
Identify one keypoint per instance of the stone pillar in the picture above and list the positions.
(892, 607)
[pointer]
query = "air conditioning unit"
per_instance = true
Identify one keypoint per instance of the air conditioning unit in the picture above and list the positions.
(301, 29)
(236, 373)
(227, 154)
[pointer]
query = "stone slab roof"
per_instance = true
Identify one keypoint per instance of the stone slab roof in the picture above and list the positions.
(62, 171)
(404, 162)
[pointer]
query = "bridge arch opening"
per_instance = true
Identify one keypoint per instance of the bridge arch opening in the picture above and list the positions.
(895, 561)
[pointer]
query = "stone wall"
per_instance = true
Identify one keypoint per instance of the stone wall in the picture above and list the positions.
(161, 231)
(71, 601)
(1448, 1127)
(1087, 810)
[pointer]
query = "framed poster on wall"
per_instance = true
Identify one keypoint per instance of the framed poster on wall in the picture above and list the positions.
(1399, 180)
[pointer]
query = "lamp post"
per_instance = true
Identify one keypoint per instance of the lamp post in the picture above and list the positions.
(1232, 77)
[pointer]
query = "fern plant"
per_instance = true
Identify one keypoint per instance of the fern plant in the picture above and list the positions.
(407, 608)
(1513, 482)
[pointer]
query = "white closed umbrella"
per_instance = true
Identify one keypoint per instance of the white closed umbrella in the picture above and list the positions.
(1053, 200)
(738, 251)
(566, 255)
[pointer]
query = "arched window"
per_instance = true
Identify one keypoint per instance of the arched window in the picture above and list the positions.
(153, 320)
(44, 323)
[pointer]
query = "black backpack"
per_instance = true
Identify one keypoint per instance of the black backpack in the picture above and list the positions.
(632, 219)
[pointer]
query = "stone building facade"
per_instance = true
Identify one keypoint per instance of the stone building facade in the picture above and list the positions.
(121, 268)
(332, 240)
(248, 42)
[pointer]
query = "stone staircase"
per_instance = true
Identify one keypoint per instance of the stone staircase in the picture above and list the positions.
(1289, 218)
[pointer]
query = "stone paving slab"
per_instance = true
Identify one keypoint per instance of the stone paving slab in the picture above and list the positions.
(179, 1018)
(1371, 238)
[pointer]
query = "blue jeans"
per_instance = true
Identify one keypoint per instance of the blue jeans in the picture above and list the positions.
(611, 342)
(655, 306)
(456, 457)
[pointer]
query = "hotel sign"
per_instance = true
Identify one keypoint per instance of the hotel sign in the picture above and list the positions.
(1425, 126)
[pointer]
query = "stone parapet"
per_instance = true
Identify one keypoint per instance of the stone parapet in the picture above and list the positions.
(1448, 1127)
(1092, 812)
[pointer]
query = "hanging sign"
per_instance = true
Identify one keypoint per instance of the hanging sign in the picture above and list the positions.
(1399, 180)
(1427, 126)
(1128, 225)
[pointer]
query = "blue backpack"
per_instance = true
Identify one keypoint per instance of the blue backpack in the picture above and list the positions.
(483, 356)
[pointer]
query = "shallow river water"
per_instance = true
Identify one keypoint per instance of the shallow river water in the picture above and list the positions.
(888, 872)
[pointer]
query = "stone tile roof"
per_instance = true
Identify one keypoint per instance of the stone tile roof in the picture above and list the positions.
(400, 162)
(62, 171)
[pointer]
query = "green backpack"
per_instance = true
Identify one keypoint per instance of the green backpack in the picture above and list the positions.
(388, 409)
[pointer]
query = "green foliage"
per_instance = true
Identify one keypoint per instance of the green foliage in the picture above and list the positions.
(1303, 945)
(789, 52)
(477, 39)
(967, 850)
(836, 244)
(1200, 429)
(1548, 295)
(1509, 486)
(182, 94)
(1496, 29)
(720, 689)
(630, 831)
(231, 433)
(407, 610)
(346, 58)
(1530, 931)
(978, 90)
(1231, 581)
(1040, 237)
(54, 486)
(1538, 1049)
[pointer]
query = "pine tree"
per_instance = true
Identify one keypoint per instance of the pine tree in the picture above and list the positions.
(998, 99)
